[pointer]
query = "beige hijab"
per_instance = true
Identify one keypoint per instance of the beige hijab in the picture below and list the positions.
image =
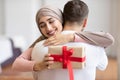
(49, 11)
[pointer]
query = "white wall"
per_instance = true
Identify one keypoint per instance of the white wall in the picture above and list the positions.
(55, 3)
(99, 16)
(115, 26)
(20, 19)
(117, 35)
(1, 17)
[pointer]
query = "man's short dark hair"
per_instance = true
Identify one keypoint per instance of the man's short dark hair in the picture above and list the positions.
(75, 11)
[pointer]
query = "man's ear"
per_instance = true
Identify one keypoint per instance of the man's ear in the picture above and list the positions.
(85, 22)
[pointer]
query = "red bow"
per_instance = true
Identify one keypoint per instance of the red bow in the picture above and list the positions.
(65, 59)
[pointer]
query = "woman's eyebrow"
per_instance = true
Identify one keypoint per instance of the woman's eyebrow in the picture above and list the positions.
(41, 23)
(49, 19)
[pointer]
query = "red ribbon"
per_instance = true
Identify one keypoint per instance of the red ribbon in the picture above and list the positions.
(66, 60)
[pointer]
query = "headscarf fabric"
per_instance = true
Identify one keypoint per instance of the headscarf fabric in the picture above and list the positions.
(49, 11)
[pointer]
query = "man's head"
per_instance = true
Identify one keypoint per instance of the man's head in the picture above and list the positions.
(75, 11)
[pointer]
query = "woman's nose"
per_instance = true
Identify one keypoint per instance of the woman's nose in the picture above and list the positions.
(49, 27)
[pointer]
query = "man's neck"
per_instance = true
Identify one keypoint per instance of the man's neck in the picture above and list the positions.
(73, 27)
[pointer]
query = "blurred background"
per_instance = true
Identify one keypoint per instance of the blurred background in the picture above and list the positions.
(18, 30)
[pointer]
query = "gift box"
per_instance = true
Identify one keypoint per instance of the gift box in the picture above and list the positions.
(67, 55)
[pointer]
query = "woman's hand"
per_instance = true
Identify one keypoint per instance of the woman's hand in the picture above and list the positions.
(59, 39)
(44, 64)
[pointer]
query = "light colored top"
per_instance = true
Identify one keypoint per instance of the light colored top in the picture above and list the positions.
(95, 59)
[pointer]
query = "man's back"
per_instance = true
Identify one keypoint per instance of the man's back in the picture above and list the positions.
(95, 58)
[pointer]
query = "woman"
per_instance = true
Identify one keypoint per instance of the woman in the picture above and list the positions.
(50, 19)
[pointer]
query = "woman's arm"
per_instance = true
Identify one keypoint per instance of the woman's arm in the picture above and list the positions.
(102, 39)
(23, 62)
(95, 38)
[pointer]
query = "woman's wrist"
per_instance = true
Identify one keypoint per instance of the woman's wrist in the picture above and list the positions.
(37, 66)
(71, 37)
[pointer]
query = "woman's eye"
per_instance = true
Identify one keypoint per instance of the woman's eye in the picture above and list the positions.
(51, 21)
(42, 25)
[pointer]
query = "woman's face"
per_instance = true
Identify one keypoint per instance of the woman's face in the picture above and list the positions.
(49, 26)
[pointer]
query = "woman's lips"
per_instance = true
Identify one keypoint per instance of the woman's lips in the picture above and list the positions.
(51, 32)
